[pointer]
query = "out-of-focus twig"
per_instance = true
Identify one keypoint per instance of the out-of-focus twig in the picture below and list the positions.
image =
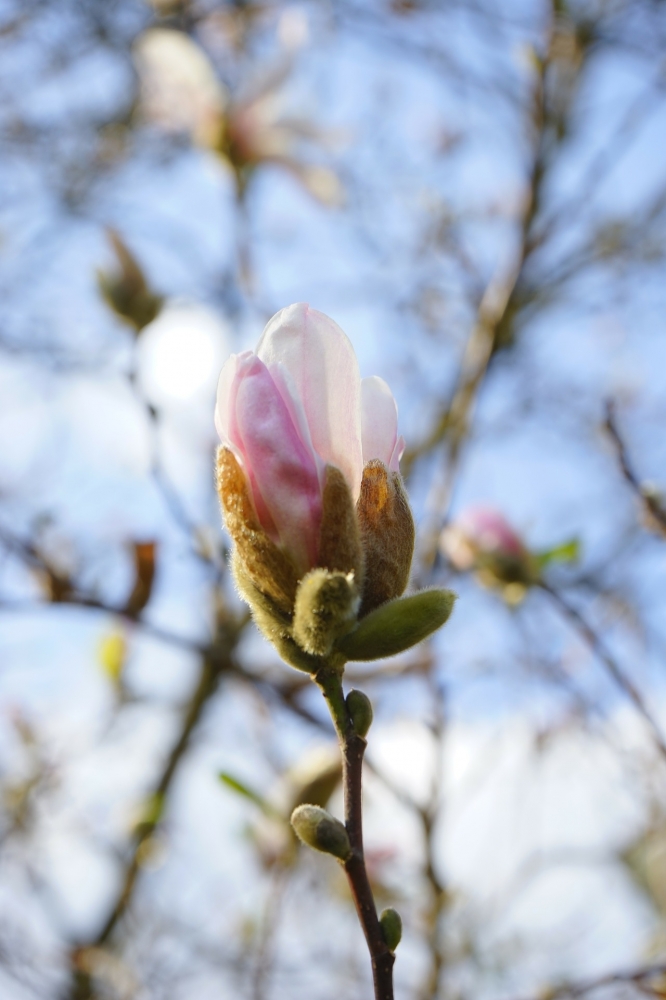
(496, 309)
(639, 977)
(597, 646)
(429, 816)
(652, 504)
(218, 660)
(267, 932)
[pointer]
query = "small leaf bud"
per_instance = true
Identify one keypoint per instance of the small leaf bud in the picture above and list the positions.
(391, 926)
(318, 829)
(359, 707)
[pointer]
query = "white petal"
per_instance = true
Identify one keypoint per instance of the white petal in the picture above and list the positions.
(323, 373)
(379, 422)
(224, 403)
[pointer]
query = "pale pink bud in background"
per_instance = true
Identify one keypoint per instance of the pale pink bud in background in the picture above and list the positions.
(294, 406)
(479, 536)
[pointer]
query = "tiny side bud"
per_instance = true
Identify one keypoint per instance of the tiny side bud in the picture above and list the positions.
(391, 926)
(359, 707)
(318, 829)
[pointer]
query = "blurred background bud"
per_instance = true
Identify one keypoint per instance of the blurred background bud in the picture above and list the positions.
(180, 90)
(144, 575)
(182, 93)
(125, 289)
(482, 540)
(313, 779)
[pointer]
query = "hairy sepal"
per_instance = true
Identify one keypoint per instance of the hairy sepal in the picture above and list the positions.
(272, 622)
(340, 548)
(387, 535)
(267, 567)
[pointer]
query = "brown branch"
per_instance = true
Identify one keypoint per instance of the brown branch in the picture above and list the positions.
(599, 649)
(496, 308)
(636, 977)
(215, 662)
(654, 507)
(352, 747)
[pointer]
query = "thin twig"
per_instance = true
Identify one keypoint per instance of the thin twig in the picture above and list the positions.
(352, 747)
(598, 647)
(267, 931)
(637, 977)
(650, 501)
(214, 664)
(499, 303)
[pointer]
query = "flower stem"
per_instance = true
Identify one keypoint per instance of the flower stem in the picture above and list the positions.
(352, 747)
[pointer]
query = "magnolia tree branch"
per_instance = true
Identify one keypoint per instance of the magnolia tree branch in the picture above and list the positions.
(640, 978)
(352, 747)
(600, 650)
(215, 662)
(652, 504)
(496, 307)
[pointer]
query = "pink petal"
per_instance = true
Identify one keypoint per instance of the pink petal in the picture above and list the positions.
(285, 386)
(379, 423)
(323, 373)
(282, 470)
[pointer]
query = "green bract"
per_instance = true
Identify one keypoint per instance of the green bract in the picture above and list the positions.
(398, 625)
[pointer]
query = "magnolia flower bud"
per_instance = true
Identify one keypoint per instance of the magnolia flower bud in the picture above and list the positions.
(318, 829)
(309, 484)
(125, 289)
(481, 539)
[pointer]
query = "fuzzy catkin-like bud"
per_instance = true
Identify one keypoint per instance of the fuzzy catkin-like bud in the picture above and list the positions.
(359, 707)
(391, 925)
(325, 610)
(267, 567)
(339, 539)
(387, 534)
(318, 829)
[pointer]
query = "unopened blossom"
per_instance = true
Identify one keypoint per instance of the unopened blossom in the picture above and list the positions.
(181, 92)
(481, 539)
(478, 532)
(308, 475)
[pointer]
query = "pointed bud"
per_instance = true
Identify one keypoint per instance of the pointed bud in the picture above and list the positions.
(398, 625)
(391, 925)
(125, 290)
(326, 608)
(318, 829)
(359, 707)
(387, 533)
